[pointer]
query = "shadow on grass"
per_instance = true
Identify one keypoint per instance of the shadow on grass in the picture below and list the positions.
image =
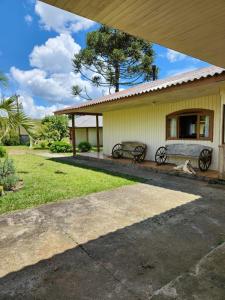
(85, 165)
(133, 172)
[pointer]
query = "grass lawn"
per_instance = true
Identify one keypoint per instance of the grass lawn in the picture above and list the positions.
(44, 183)
(20, 147)
(28, 149)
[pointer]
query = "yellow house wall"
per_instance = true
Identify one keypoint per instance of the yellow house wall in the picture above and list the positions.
(148, 125)
(92, 136)
(81, 136)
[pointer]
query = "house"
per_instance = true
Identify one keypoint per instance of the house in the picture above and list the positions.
(187, 108)
(86, 130)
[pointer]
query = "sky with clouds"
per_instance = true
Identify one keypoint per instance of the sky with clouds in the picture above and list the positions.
(37, 44)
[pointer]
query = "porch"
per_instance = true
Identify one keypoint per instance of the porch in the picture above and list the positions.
(160, 113)
(167, 168)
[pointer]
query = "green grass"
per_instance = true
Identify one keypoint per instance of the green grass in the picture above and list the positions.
(43, 185)
(19, 147)
(23, 147)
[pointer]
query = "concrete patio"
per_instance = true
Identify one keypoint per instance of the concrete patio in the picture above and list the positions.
(147, 164)
(161, 239)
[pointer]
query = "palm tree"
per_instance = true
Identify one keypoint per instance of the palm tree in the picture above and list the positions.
(11, 118)
(3, 79)
(12, 115)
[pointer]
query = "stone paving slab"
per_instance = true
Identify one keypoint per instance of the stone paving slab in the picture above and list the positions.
(205, 281)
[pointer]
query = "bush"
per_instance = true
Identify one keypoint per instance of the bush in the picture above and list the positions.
(84, 146)
(42, 145)
(60, 147)
(8, 178)
(12, 140)
(2, 152)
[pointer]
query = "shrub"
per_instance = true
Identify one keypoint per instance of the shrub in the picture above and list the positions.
(2, 152)
(12, 140)
(8, 178)
(84, 146)
(60, 147)
(42, 145)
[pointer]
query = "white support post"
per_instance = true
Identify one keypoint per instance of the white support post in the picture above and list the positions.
(222, 137)
(222, 161)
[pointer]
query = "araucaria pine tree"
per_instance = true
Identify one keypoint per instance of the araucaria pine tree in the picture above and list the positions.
(113, 59)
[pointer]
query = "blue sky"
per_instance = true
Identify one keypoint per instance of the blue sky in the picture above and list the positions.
(36, 46)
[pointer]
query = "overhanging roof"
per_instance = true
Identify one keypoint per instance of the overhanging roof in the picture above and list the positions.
(196, 27)
(157, 91)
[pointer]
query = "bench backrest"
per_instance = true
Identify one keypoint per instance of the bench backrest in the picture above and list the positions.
(130, 146)
(192, 150)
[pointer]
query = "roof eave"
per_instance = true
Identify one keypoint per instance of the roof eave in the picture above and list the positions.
(85, 110)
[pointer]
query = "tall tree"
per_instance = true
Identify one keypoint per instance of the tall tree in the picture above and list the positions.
(53, 128)
(114, 59)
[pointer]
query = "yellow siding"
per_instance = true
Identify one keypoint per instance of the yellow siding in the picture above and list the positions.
(80, 135)
(147, 125)
(92, 136)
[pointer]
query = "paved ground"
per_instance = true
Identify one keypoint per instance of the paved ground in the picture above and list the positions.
(162, 239)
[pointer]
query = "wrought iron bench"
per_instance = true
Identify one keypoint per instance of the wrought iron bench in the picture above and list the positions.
(134, 150)
(196, 151)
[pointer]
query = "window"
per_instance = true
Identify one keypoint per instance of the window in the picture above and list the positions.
(190, 124)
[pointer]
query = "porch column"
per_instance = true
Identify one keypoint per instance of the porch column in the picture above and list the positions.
(222, 161)
(97, 132)
(222, 137)
(73, 135)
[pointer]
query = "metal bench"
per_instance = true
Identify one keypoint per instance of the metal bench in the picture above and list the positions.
(196, 151)
(134, 150)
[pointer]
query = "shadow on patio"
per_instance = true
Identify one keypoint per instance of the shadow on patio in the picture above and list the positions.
(121, 244)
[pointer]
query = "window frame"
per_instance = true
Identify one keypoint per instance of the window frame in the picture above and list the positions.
(190, 112)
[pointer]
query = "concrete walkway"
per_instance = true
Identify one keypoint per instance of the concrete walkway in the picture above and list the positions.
(162, 239)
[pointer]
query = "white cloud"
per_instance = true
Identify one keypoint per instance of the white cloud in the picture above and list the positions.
(52, 18)
(51, 78)
(28, 19)
(174, 56)
(55, 55)
(177, 71)
(53, 88)
(34, 110)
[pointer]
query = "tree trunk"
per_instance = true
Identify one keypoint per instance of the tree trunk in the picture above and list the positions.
(117, 77)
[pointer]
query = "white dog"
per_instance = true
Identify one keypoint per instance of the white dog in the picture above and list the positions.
(186, 167)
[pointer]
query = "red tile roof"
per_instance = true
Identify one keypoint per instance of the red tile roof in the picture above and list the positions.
(153, 86)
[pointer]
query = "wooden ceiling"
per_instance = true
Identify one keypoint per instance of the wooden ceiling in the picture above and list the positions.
(193, 27)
